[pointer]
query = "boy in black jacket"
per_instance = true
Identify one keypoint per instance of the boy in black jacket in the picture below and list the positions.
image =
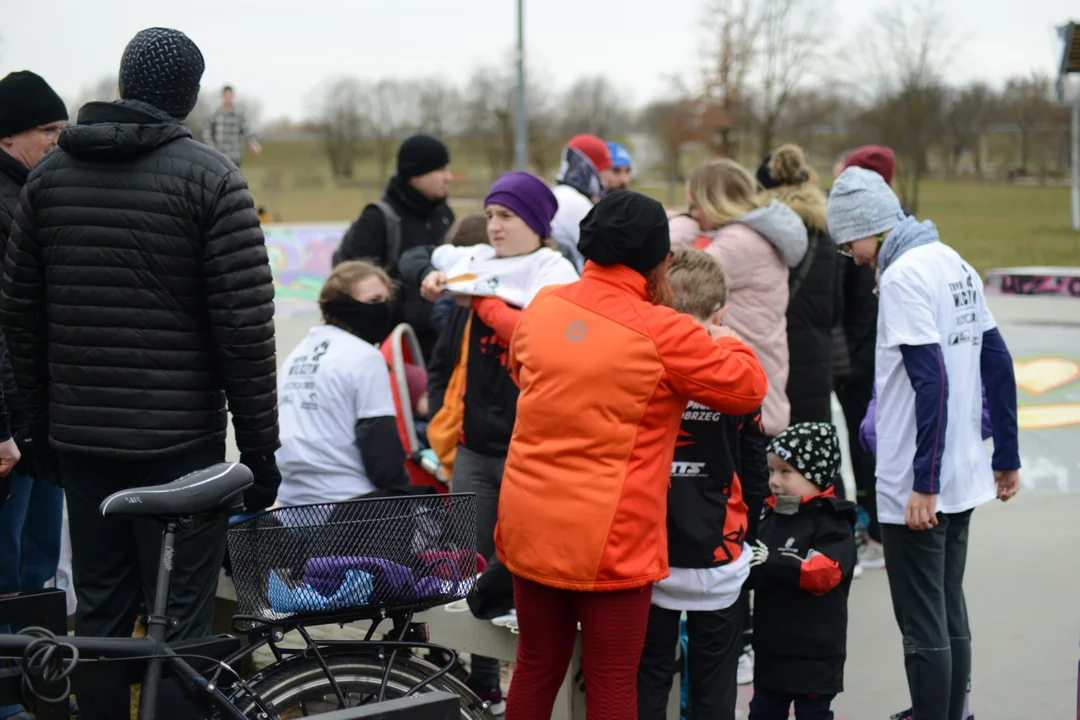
(803, 564)
(718, 460)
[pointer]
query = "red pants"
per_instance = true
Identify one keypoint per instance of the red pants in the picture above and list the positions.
(613, 634)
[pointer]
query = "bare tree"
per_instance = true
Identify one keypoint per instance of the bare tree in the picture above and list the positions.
(790, 47)
(674, 123)
(1027, 104)
(967, 116)
(439, 108)
(907, 47)
(342, 121)
(394, 113)
(733, 26)
(489, 117)
(594, 105)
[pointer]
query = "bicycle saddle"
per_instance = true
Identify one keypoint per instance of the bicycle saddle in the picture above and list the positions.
(204, 491)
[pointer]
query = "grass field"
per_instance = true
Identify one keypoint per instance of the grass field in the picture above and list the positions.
(990, 224)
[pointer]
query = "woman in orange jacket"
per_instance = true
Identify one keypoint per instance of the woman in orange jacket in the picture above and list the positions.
(606, 370)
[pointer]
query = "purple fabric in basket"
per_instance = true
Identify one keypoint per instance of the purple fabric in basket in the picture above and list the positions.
(390, 581)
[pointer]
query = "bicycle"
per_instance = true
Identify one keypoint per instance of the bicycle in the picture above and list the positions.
(324, 675)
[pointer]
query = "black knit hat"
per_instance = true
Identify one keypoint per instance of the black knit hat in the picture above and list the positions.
(421, 154)
(27, 101)
(626, 228)
(163, 68)
(812, 448)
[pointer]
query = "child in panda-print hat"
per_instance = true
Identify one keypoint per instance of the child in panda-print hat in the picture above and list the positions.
(813, 449)
(804, 561)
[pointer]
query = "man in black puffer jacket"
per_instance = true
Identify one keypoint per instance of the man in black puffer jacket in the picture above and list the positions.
(137, 300)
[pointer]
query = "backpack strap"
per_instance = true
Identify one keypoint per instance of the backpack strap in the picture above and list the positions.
(393, 232)
(796, 280)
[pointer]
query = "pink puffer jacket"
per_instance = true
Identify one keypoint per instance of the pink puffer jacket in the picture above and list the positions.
(756, 251)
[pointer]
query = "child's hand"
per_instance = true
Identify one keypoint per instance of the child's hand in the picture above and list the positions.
(719, 331)
(761, 554)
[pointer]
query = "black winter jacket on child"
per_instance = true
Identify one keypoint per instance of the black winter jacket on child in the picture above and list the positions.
(800, 603)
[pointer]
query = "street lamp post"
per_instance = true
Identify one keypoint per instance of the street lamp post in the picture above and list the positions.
(521, 125)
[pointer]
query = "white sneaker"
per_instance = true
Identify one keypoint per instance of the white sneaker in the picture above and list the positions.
(872, 555)
(745, 675)
(857, 573)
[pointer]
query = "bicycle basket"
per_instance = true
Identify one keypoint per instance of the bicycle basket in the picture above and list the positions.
(362, 557)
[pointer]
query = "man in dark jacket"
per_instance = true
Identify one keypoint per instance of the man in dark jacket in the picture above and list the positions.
(31, 116)
(137, 301)
(413, 212)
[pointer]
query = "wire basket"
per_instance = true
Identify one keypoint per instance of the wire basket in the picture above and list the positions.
(363, 558)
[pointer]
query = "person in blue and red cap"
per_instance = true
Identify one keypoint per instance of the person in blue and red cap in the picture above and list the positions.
(622, 167)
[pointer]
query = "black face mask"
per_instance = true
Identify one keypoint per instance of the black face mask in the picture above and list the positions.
(367, 321)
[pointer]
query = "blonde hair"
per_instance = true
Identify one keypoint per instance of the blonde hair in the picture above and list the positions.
(344, 277)
(698, 283)
(724, 191)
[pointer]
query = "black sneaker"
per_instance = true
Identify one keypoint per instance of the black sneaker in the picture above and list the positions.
(906, 715)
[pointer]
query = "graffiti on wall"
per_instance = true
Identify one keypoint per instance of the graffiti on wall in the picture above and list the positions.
(300, 261)
(1049, 285)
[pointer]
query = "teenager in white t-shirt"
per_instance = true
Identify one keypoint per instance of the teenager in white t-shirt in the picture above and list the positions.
(936, 342)
(339, 437)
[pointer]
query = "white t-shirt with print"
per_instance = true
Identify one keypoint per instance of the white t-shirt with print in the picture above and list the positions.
(929, 295)
(331, 380)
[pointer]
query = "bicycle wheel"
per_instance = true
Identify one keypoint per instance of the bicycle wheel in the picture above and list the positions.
(301, 689)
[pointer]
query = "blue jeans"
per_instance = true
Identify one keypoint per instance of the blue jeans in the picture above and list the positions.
(30, 524)
(767, 705)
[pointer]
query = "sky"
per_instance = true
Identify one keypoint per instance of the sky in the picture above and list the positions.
(280, 51)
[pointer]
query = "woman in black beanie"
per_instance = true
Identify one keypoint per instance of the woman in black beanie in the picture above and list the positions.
(605, 370)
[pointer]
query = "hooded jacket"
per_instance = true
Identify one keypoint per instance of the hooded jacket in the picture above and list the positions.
(576, 184)
(137, 295)
(810, 313)
(583, 503)
(756, 252)
(801, 596)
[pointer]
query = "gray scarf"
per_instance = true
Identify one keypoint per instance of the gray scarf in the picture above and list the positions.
(910, 233)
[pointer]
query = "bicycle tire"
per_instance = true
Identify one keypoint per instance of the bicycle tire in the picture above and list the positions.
(285, 687)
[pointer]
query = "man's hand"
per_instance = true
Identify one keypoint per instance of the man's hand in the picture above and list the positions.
(256, 148)
(718, 331)
(1008, 483)
(9, 456)
(761, 554)
(921, 511)
(432, 286)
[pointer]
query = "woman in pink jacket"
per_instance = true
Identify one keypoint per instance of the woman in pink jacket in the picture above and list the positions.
(756, 243)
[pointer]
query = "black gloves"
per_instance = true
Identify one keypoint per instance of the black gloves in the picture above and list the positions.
(264, 468)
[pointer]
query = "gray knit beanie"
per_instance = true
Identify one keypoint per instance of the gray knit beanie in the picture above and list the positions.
(861, 205)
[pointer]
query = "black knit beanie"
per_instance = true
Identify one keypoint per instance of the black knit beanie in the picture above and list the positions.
(626, 228)
(27, 101)
(421, 154)
(812, 448)
(163, 68)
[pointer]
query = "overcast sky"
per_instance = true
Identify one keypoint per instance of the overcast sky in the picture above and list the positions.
(279, 50)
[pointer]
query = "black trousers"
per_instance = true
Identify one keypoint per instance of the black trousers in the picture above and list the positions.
(854, 396)
(115, 564)
(715, 639)
(926, 579)
(766, 705)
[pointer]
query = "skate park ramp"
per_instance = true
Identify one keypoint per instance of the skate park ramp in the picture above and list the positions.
(1023, 575)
